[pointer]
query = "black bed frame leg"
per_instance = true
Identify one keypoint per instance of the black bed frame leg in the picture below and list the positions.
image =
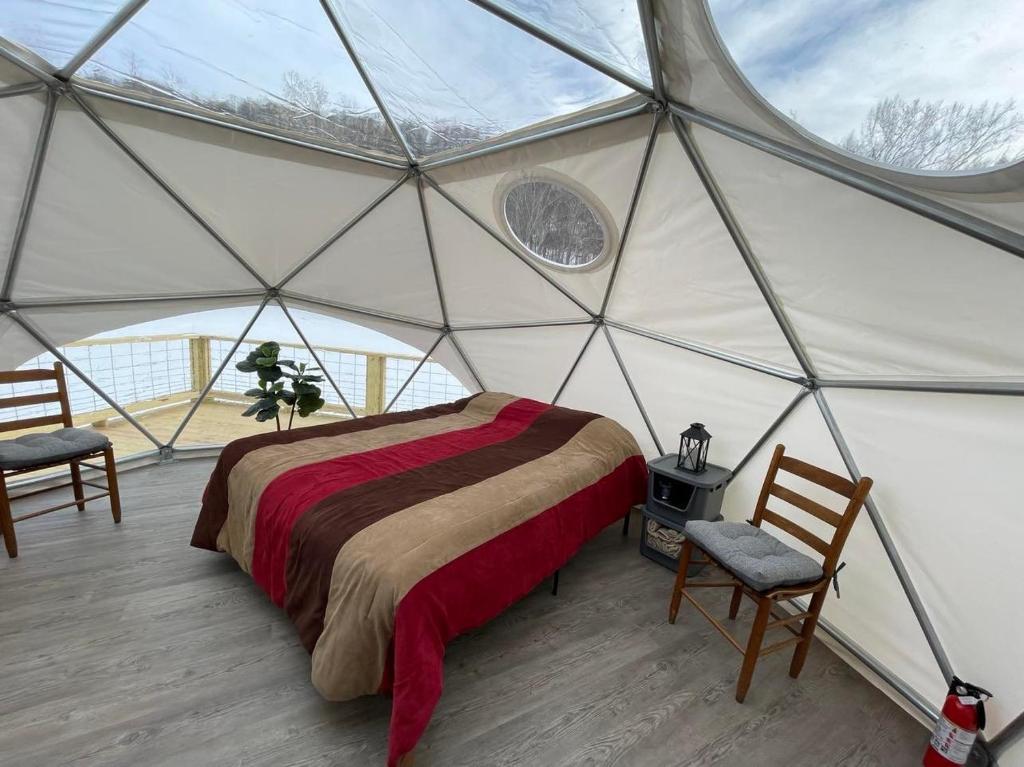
(554, 584)
(625, 523)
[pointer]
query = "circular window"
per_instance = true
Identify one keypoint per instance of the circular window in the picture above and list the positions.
(923, 85)
(554, 223)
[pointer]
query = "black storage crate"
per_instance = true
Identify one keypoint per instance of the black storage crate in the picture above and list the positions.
(674, 497)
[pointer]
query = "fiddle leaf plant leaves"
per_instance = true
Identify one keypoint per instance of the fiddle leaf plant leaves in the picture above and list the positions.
(303, 397)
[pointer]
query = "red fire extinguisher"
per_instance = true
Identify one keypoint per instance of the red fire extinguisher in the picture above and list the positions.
(963, 716)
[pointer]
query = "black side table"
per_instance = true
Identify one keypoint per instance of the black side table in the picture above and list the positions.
(674, 497)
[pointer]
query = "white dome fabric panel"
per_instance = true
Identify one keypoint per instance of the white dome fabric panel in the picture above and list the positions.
(274, 202)
(597, 385)
(11, 74)
(383, 263)
(953, 512)
(873, 610)
(448, 355)
(20, 120)
(678, 387)
(531, 362)
(102, 227)
(66, 324)
(872, 289)
(698, 73)
(483, 281)
(678, 239)
(16, 345)
(604, 160)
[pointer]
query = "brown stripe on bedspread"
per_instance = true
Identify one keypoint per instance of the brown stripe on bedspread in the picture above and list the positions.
(319, 534)
(215, 497)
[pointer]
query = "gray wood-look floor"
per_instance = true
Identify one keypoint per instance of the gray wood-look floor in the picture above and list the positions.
(125, 646)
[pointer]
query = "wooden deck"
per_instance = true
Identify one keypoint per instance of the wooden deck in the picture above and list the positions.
(124, 646)
(215, 422)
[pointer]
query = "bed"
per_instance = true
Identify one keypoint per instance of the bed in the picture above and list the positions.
(385, 537)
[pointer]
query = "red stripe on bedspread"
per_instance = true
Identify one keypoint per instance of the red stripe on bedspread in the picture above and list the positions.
(483, 582)
(290, 495)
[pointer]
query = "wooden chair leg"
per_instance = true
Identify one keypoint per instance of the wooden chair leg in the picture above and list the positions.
(677, 592)
(734, 605)
(764, 611)
(76, 484)
(115, 496)
(807, 633)
(6, 523)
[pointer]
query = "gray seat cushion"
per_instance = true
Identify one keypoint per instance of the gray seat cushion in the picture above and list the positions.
(757, 558)
(37, 449)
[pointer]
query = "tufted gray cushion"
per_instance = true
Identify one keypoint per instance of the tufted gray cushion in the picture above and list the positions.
(757, 558)
(36, 449)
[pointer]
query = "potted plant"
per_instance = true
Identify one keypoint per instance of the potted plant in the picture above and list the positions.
(298, 389)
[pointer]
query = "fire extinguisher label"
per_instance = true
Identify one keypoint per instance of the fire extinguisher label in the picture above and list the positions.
(952, 742)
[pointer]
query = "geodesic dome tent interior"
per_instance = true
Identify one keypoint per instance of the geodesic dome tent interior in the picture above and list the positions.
(594, 204)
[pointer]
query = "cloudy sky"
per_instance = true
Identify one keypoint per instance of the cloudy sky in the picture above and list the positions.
(830, 61)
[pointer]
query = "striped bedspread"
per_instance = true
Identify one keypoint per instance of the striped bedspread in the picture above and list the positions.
(385, 537)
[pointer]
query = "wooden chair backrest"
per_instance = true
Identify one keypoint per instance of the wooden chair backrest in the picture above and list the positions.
(842, 522)
(60, 395)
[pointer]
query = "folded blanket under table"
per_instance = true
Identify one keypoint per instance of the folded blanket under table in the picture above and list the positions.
(385, 537)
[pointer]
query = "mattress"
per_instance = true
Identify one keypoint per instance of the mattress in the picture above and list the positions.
(385, 537)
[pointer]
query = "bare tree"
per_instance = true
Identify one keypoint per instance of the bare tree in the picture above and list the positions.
(934, 135)
(554, 222)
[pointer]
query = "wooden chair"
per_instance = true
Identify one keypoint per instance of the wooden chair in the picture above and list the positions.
(767, 598)
(66, 446)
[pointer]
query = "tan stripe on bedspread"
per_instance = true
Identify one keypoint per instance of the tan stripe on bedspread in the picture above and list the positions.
(254, 472)
(378, 566)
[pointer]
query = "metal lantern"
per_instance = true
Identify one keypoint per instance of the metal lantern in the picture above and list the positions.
(693, 449)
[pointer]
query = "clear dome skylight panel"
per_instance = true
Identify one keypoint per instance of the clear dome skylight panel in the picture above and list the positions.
(453, 74)
(276, 64)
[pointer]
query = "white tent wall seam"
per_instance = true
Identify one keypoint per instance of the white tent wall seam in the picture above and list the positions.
(529, 262)
(650, 32)
(21, 89)
(499, 145)
(707, 179)
(159, 181)
(220, 369)
(709, 351)
(32, 186)
(428, 233)
(466, 360)
(39, 303)
(33, 331)
(14, 57)
(1008, 736)
(281, 138)
(771, 430)
(634, 201)
(931, 636)
(575, 363)
(362, 310)
(632, 388)
(415, 370)
(315, 356)
(341, 232)
(985, 231)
